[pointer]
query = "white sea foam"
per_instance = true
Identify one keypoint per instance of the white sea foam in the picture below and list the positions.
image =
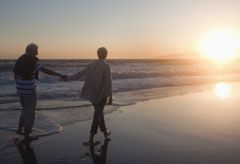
(9, 122)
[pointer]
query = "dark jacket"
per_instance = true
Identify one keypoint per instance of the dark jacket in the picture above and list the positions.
(25, 66)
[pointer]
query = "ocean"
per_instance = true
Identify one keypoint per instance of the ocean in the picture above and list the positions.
(133, 81)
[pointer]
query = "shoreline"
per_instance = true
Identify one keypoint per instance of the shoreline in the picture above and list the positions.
(196, 127)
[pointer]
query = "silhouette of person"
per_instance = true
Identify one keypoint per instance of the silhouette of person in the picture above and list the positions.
(101, 157)
(97, 89)
(26, 152)
(26, 71)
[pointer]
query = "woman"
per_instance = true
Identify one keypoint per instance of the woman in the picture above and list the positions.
(97, 89)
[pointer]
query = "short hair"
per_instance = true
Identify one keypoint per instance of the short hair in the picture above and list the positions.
(31, 48)
(102, 53)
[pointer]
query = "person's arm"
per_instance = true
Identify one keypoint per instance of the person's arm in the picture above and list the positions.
(109, 85)
(110, 101)
(77, 75)
(49, 72)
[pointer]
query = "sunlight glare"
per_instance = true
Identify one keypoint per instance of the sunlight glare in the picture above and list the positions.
(220, 45)
(222, 90)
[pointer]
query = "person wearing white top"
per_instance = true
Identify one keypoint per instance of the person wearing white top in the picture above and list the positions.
(97, 89)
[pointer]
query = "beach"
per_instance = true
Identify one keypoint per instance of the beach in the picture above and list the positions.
(198, 127)
(165, 75)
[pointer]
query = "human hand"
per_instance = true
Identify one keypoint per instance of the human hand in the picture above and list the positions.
(110, 101)
(64, 77)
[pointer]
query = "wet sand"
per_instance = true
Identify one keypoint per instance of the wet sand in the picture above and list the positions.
(199, 127)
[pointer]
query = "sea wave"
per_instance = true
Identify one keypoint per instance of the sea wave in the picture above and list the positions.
(129, 69)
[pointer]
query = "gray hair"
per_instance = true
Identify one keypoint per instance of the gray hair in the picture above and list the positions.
(31, 48)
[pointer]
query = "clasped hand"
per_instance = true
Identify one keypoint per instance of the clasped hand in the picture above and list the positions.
(64, 77)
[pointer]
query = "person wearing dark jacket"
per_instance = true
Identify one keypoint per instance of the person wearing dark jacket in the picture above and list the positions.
(26, 71)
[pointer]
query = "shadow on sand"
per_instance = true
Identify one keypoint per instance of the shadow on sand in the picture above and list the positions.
(26, 152)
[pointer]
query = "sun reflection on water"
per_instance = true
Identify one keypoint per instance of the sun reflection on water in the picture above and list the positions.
(222, 90)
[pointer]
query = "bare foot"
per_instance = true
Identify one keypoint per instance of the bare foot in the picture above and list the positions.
(91, 143)
(20, 131)
(29, 139)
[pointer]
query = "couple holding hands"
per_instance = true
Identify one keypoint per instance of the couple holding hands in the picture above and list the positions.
(97, 89)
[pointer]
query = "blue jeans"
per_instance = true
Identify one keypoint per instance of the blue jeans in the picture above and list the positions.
(98, 117)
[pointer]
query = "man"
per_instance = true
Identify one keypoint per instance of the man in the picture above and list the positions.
(26, 74)
(97, 89)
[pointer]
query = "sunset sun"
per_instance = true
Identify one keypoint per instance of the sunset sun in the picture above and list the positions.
(220, 45)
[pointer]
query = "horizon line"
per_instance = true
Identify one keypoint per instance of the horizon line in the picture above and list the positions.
(115, 59)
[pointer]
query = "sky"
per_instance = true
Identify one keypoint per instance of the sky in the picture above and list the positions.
(129, 29)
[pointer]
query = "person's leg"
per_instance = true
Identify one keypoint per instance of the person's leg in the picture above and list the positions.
(34, 109)
(95, 122)
(94, 127)
(98, 113)
(29, 114)
(102, 124)
(20, 125)
(103, 128)
(98, 120)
